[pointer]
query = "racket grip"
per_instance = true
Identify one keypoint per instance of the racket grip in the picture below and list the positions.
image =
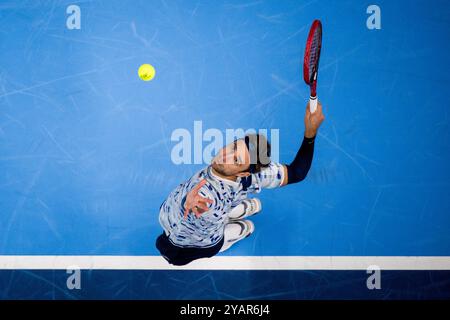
(312, 104)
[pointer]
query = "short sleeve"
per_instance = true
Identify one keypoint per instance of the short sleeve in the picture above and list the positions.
(271, 176)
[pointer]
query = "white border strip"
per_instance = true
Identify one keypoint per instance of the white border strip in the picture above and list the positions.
(13, 262)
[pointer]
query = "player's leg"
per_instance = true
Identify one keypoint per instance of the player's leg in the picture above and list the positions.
(247, 208)
(236, 231)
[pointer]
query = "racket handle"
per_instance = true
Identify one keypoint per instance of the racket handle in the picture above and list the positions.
(312, 104)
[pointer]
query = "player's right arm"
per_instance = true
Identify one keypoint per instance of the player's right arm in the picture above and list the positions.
(297, 170)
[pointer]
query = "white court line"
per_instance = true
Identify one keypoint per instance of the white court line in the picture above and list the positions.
(226, 263)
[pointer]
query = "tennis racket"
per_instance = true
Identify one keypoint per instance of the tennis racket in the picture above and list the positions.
(311, 61)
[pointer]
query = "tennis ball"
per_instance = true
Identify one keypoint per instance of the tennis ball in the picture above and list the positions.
(146, 72)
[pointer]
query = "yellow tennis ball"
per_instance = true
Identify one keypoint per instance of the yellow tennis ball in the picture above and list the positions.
(146, 72)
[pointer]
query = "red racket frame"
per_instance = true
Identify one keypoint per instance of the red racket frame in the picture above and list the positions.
(312, 80)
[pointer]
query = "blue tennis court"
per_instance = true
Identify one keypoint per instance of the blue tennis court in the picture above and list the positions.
(86, 148)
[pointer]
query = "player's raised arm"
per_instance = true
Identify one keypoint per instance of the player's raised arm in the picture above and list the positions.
(297, 170)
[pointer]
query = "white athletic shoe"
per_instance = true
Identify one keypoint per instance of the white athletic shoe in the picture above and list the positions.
(247, 208)
(236, 231)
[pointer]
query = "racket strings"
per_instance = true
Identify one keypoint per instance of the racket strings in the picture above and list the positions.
(314, 53)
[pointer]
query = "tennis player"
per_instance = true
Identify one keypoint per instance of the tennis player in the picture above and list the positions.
(207, 214)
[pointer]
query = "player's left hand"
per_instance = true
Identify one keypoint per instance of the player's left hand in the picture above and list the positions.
(196, 203)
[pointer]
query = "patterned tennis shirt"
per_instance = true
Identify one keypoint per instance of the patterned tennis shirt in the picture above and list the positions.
(208, 229)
